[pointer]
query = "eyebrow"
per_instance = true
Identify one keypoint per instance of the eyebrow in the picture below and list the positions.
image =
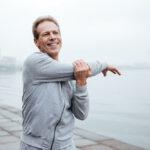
(50, 31)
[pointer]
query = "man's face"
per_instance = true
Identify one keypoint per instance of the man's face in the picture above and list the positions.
(49, 40)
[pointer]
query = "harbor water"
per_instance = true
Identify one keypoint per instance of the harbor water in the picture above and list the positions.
(119, 105)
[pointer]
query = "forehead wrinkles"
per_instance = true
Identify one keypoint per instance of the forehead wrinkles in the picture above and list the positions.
(47, 26)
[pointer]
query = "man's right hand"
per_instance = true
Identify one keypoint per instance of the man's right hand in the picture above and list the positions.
(81, 71)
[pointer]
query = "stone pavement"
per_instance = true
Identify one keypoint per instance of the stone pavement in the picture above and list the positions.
(10, 130)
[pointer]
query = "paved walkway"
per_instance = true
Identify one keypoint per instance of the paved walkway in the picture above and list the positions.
(10, 130)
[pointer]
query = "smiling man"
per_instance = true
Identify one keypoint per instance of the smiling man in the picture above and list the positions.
(49, 40)
(54, 93)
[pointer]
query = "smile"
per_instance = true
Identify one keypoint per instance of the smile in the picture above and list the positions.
(52, 44)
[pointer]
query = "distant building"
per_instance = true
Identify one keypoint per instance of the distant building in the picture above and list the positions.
(7, 64)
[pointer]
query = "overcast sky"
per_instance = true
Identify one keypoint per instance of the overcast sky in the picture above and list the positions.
(115, 31)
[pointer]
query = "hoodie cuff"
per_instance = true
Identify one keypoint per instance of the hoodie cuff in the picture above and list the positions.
(81, 88)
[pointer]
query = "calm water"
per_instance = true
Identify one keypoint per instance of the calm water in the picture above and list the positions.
(119, 105)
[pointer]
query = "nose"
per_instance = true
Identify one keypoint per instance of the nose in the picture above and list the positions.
(52, 36)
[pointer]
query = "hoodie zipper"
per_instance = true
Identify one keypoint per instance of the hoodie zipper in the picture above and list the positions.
(57, 124)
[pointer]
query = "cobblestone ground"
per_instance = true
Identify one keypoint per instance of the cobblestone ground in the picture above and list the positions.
(10, 131)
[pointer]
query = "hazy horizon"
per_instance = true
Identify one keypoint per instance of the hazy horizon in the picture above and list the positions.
(112, 31)
(134, 64)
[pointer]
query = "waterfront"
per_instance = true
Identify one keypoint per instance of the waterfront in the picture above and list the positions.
(120, 106)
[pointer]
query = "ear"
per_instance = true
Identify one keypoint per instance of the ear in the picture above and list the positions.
(36, 42)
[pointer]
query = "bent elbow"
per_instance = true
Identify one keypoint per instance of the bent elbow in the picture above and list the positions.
(81, 116)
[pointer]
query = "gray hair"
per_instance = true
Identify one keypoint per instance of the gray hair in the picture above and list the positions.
(40, 20)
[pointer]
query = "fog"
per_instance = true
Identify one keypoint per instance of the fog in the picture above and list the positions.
(108, 30)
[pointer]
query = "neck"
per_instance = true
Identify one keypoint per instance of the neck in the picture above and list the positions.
(55, 57)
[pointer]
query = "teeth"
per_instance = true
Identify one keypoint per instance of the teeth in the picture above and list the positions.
(53, 44)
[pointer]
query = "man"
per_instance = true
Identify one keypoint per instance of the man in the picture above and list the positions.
(54, 93)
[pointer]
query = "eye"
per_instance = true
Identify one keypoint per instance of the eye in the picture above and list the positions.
(45, 34)
(55, 32)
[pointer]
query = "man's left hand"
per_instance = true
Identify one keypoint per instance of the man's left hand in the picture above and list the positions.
(112, 69)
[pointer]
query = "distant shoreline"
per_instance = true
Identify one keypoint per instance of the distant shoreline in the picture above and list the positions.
(6, 69)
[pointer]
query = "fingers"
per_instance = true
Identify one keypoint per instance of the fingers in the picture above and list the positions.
(81, 72)
(114, 70)
(81, 69)
(81, 65)
(119, 73)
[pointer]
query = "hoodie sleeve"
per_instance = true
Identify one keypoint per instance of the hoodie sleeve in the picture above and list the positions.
(80, 102)
(43, 68)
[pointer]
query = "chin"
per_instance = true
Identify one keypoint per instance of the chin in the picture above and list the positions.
(53, 54)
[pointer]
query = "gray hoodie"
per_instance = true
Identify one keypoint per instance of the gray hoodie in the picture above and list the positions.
(51, 101)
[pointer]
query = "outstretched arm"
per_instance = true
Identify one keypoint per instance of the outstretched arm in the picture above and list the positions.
(43, 68)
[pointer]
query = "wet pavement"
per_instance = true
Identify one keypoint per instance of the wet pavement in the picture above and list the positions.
(10, 131)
